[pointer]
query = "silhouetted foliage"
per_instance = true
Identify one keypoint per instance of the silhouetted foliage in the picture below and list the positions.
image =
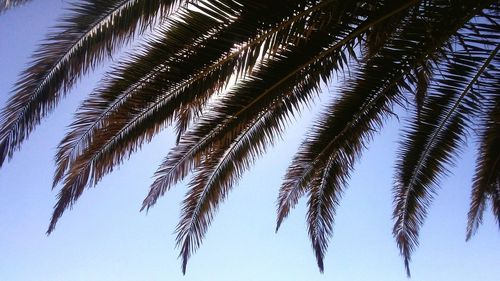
(230, 75)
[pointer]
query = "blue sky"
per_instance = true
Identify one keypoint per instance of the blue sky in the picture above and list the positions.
(105, 237)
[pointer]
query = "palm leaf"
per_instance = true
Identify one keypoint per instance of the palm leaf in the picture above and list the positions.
(211, 77)
(300, 172)
(83, 39)
(324, 198)
(431, 143)
(241, 107)
(360, 110)
(231, 77)
(219, 170)
(133, 77)
(487, 178)
(115, 142)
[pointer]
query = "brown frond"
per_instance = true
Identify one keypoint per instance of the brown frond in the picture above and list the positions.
(324, 197)
(232, 74)
(433, 142)
(486, 182)
(81, 41)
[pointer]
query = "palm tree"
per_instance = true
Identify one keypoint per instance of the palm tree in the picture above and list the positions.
(230, 76)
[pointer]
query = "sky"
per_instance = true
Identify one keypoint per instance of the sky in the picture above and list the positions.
(105, 237)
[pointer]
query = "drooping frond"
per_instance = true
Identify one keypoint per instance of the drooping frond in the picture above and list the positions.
(206, 74)
(182, 78)
(219, 172)
(324, 197)
(138, 76)
(218, 177)
(118, 139)
(366, 101)
(300, 173)
(243, 103)
(432, 139)
(93, 155)
(231, 74)
(81, 40)
(486, 184)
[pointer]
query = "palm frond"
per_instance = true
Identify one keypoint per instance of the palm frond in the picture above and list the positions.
(159, 54)
(226, 165)
(366, 101)
(175, 167)
(231, 77)
(324, 197)
(205, 75)
(431, 143)
(218, 173)
(422, 76)
(83, 39)
(300, 172)
(233, 113)
(118, 140)
(487, 177)
(379, 33)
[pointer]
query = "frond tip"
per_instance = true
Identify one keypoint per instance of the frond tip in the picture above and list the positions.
(432, 143)
(82, 40)
(486, 182)
(231, 76)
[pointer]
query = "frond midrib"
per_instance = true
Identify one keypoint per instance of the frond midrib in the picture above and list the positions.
(64, 58)
(214, 66)
(342, 42)
(76, 44)
(435, 134)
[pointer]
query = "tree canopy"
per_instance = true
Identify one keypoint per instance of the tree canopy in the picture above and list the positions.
(230, 76)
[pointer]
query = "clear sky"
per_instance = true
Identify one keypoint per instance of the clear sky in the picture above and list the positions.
(105, 237)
